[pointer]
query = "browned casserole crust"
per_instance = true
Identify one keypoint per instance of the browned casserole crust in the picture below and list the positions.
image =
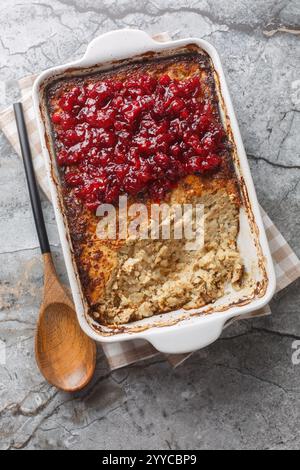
(124, 280)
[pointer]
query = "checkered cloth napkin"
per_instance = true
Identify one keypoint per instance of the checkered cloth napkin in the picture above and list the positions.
(287, 265)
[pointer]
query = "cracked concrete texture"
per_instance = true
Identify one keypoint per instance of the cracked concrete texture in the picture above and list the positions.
(243, 392)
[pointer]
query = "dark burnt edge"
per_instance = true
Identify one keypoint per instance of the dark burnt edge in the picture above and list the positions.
(261, 286)
(59, 184)
(116, 66)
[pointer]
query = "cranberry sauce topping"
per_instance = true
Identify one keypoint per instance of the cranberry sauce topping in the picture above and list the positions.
(138, 136)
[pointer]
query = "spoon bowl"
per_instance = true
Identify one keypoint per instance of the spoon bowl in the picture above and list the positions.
(68, 365)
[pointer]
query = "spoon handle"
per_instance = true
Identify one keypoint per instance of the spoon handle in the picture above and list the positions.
(31, 181)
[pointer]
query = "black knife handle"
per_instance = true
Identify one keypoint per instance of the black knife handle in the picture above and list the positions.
(31, 180)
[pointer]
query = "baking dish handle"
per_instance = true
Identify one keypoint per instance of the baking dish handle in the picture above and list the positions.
(188, 337)
(121, 43)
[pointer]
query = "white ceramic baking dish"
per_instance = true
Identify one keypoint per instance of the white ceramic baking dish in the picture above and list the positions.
(180, 331)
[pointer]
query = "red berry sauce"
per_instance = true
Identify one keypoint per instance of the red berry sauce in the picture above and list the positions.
(140, 136)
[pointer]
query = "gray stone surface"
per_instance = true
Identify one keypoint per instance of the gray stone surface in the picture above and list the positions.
(243, 392)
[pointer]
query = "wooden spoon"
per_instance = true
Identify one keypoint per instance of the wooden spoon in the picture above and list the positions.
(65, 355)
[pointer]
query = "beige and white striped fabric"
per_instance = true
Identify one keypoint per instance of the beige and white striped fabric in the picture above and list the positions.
(287, 265)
